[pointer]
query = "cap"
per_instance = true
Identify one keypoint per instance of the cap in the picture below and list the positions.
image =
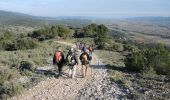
(58, 49)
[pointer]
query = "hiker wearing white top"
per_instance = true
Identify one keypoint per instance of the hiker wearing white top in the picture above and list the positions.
(72, 62)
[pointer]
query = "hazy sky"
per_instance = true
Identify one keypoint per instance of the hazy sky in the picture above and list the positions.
(99, 8)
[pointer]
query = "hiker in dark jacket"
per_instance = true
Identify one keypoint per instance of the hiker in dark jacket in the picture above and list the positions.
(58, 59)
(84, 58)
(72, 61)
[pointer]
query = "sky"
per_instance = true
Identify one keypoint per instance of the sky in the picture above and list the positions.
(94, 8)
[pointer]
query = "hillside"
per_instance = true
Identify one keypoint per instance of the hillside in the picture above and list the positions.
(144, 29)
(14, 18)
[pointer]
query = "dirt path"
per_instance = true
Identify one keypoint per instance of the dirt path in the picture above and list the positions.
(66, 43)
(70, 89)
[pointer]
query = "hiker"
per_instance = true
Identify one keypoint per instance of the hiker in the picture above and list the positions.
(84, 58)
(81, 46)
(91, 50)
(84, 48)
(72, 61)
(59, 60)
(77, 45)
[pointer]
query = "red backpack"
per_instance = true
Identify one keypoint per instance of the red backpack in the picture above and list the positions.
(58, 56)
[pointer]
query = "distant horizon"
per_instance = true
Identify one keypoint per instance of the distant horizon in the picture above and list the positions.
(83, 17)
(96, 8)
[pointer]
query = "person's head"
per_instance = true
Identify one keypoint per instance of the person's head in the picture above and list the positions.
(71, 50)
(58, 49)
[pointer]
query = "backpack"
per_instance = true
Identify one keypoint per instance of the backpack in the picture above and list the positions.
(90, 57)
(58, 56)
(90, 49)
(84, 57)
(71, 60)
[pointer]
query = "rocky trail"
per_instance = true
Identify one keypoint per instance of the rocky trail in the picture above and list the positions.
(95, 86)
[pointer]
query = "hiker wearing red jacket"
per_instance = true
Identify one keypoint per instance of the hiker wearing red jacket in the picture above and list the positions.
(58, 59)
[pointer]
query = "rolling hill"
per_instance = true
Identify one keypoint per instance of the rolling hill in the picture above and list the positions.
(14, 18)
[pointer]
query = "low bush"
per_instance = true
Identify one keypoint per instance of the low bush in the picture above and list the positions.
(11, 43)
(9, 90)
(26, 43)
(157, 58)
(26, 65)
(51, 32)
(131, 48)
(6, 74)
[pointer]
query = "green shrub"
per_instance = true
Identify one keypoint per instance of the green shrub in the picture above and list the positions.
(11, 89)
(7, 42)
(157, 58)
(7, 74)
(51, 32)
(26, 43)
(11, 43)
(6, 36)
(117, 47)
(131, 48)
(90, 30)
(135, 62)
(98, 32)
(26, 65)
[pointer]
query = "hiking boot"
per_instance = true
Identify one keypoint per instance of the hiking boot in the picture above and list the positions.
(72, 76)
(82, 76)
(57, 76)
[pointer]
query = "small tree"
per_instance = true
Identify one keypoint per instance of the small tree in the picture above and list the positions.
(102, 37)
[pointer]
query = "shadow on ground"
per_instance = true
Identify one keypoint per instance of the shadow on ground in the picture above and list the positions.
(49, 73)
(108, 66)
(54, 73)
(118, 68)
(98, 66)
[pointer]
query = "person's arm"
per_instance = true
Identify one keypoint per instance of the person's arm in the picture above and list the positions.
(54, 59)
(88, 56)
(93, 48)
(76, 59)
(63, 58)
(66, 57)
(80, 57)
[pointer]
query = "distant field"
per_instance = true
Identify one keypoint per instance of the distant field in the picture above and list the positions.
(144, 28)
(148, 38)
(144, 32)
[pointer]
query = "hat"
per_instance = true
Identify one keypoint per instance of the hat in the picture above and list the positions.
(59, 49)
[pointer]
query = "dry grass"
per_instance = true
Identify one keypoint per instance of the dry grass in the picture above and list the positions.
(140, 86)
(10, 62)
(110, 57)
(149, 39)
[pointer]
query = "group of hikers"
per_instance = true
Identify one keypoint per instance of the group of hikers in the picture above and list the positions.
(72, 57)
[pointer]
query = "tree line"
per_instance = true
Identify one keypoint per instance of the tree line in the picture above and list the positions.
(10, 42)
